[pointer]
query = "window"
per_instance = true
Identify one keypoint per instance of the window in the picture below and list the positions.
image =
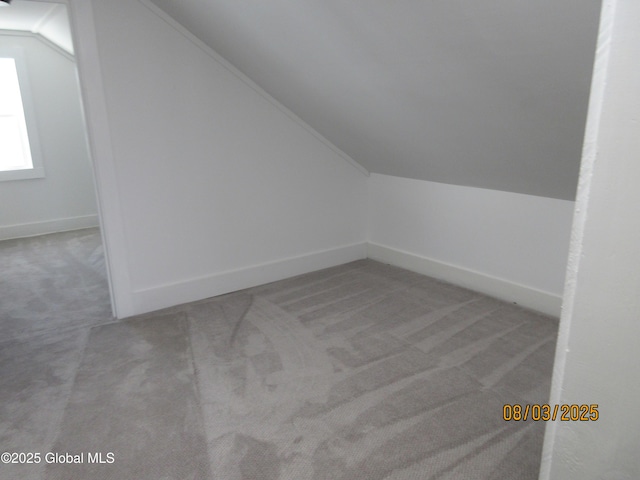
(19, 155)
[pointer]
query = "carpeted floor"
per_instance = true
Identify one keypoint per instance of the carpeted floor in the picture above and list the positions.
(362, 371)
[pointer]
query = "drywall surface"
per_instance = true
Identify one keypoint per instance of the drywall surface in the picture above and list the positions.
(56, 27)
(519, 239)
(46, 18)
(214, 179)
(65, 198)
(597, 358)
(491, 93)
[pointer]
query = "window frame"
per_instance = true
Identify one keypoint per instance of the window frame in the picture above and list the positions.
(28, 106)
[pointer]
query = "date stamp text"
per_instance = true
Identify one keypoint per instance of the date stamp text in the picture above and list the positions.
(564, 413)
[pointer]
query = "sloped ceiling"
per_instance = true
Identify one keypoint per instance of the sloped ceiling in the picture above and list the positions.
(50, 20)
(491, 94)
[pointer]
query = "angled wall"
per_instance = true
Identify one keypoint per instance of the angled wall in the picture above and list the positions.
(207, 185)
(488, 99)
(488, 94)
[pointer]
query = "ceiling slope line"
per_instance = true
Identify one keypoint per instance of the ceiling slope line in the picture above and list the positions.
(38, 36)
(45, 18)
(216, 57)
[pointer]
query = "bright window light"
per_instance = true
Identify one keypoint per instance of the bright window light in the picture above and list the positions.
(15, 153)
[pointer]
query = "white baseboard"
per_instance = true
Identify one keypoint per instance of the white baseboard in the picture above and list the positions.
(194, 289)
(506, 290)
(156, 298)
(50, 226)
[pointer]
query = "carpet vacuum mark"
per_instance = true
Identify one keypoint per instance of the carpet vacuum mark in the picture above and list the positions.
(134, 396)
(362, 371)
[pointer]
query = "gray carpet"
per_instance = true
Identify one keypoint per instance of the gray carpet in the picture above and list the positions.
(363, 371)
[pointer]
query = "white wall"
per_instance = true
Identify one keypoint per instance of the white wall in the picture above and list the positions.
(210, 186)
(55, 27)
(509, 245)
(65, 198)
(597, 357)
(207, 184)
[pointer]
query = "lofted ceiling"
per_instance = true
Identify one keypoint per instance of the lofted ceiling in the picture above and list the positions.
(489, 94)
(48, 19)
